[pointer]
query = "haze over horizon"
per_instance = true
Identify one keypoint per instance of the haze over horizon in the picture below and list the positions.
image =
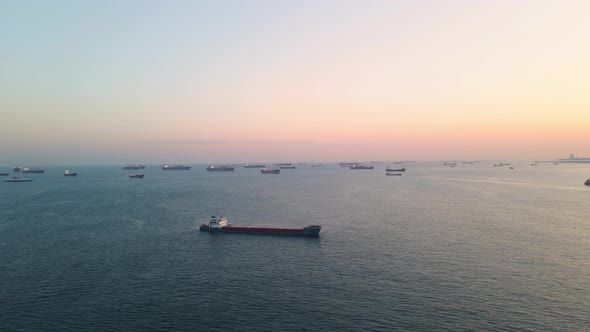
(245, 81)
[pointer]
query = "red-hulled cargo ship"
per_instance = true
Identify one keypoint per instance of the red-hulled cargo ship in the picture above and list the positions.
(219, 224)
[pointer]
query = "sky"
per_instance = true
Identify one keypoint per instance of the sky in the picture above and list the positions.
(110, 82)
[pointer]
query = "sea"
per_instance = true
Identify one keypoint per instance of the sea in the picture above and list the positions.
(474, 247)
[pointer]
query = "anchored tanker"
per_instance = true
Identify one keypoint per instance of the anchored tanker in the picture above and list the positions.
(219, 224)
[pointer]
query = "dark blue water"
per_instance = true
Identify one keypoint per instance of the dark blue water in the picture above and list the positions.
(473, 247)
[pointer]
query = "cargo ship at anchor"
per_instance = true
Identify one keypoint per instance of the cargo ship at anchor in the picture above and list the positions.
(33, 170)
(167, 167)
(360, 166)
(220, 168)
(219, 224)
(133, 167)
(254, 166)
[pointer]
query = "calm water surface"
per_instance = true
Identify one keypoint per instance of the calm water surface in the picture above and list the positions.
(474, 247)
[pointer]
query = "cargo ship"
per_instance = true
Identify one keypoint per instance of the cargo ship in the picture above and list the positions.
(287, 167)
(68, 173)
(16, 168)
(134, 166)
(284, 164)
(220, 168)
(136, 176)
(32, 170)
(254, 166)
(4, 174)
(346, 164)
(219, 224)
(360, 166)
(393, 174)
(167, 167)
(388, 169)
(270, 171)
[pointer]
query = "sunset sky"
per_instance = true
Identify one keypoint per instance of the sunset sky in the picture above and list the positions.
(85, 82)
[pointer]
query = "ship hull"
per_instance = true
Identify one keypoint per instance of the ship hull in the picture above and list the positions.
(312, 231)
(4, 174)
(254, 166)
(220, 169)
(276, 171)
(71, 174)
(34, 171)
(17, 180)
(184, 168)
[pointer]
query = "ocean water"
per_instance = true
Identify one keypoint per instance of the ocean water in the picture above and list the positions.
(474, 247)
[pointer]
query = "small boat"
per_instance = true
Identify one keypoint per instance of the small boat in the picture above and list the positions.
(361, 166)
(287, 167)
(220, 168)
(388, 169)
(284, 164)
(68, 173)
(511, 167)
(393, 174)
(136, 176)
(17, 179)
(16, 168)
(270, 171)
(534, 164)
(587, 182)
(219, 224)
(4, 174)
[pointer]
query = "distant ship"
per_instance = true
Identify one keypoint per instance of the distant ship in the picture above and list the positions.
(393, 174)
(534, 164)
(388, 169)
(16, 168)
(346, 164)
(32, 170)
(134, 166)
(287, 167)
(360, 166)
(136, 176)
(68, 173)
(219, 224)
(587, 182)
(17, 179)
(4, 174)
(317, 165)
(446, 163)
(167, 167)
(220, 168)
(270, 171)
(571, 160)
(283, 164)
(254, 166)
